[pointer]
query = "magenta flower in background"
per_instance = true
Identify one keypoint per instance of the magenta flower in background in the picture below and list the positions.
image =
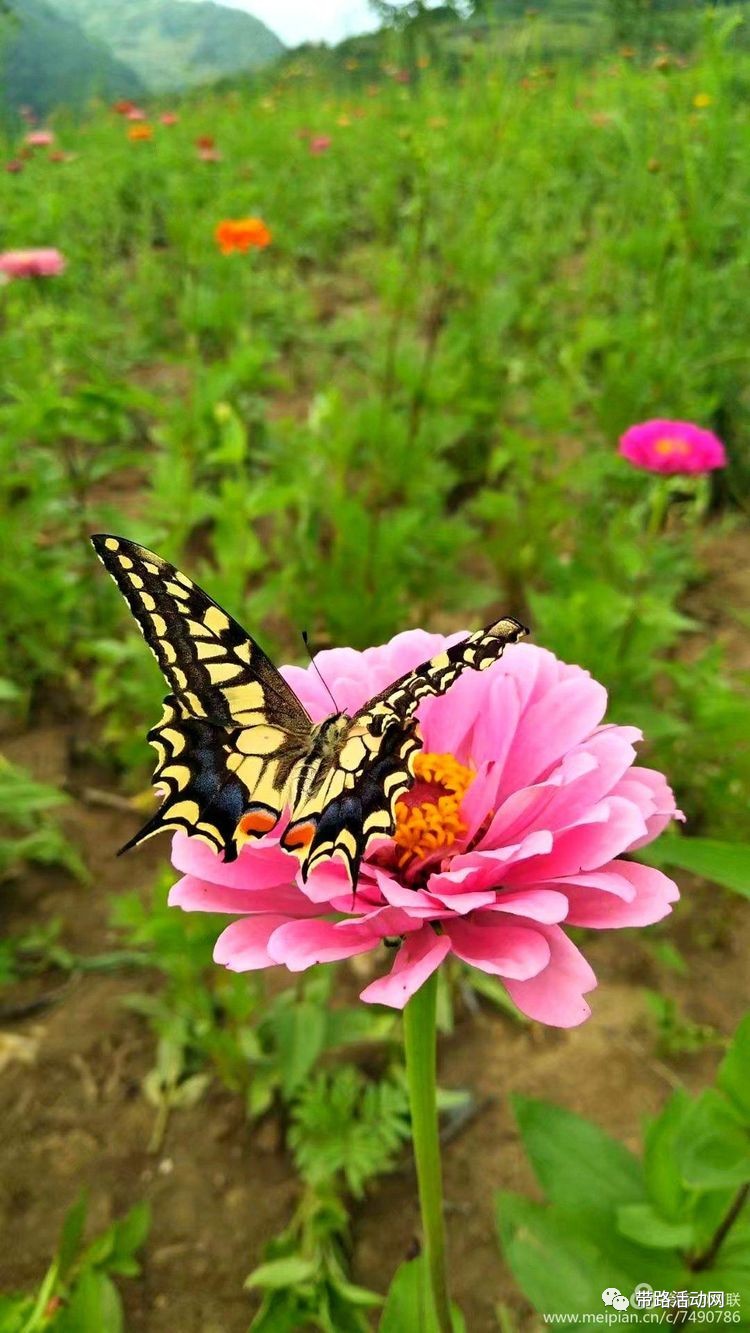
(672, 447)
(39, 138)
(320, 143)
(523, 807)
(31, 263)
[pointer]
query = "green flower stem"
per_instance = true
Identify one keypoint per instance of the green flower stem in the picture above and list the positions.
(420, 1033)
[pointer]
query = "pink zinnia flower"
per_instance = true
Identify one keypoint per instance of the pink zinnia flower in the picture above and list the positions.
(39, 138)
(672, 446)
(135, 113)
(320, 143)
(523, 806)
(31, 263)
(169, 118)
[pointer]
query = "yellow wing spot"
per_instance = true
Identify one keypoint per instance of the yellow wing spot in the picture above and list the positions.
(136, 580)
(180, 677)
(169, 651)
(175, 739)
(188, 811)
(148, 602)
(177, 773)
(215, 620)
(125, 561)
(353, 755)
(159, 624)
(260, 740)
(246, 698)
(197, 629)
(177, 591)
(206, 648)
(184, 580)
(112, 544)
(244, 651)
(219, 672)
(192, 701)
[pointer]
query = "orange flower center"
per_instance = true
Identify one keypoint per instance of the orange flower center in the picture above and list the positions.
(428, 819)
(671, 445)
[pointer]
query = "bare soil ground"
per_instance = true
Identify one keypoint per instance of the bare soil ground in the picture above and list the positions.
(73, 1113)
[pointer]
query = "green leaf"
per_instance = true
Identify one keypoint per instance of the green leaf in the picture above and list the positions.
(576, 1163)
(640, 1222)
(404, 1303)
(660, 1162)
(94, 1306)
(713, 1147)
(300, 1033)
(557, 1270)
(734, 1073)
(726, 863)
(131, 1232)
(279, 1273)
(71, 1234)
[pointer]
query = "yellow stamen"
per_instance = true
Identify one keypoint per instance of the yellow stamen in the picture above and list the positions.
(670, 445)
(429, 819)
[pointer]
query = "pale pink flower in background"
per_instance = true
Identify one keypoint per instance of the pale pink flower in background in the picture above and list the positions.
(169, 118)
(45, 263)
(14, 166)
(672, 447)
(135, 113)
(320, 143)
(524, 806)
(39, 138)
(209, 154)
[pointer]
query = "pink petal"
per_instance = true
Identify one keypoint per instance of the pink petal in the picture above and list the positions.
(495, 867)
(545, 904)
(196, 895)
(652, 896)
(502, 950)
(302, 944)
(259, 865)
(555, 996)
(532, 804)
(419, 956)
(655, 797)
(561, 719)
(611, 827)
(243, 946)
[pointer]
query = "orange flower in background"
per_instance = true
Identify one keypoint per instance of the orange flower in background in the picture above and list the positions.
(241, 234)
(140, 132)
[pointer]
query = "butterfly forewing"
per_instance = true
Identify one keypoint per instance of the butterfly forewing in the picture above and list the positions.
(232, 730)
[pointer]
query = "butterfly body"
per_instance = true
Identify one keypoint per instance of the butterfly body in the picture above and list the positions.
(236, 747)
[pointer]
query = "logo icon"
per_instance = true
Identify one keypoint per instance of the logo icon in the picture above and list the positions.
(614, 1297)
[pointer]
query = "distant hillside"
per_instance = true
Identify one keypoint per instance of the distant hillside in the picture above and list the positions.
(171, 44)
(46, 59)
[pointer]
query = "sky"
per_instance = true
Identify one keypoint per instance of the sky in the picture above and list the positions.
(296, 21)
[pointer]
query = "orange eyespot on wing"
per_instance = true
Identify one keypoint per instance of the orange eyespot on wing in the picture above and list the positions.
(257, 822)
(298, 837)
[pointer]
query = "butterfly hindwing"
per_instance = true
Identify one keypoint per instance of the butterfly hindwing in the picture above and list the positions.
(232, 730)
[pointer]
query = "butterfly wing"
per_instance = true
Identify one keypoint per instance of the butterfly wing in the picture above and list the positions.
(356, 800)
(232, 730)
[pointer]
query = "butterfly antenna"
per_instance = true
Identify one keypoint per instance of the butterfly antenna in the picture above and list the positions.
(306, 642)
